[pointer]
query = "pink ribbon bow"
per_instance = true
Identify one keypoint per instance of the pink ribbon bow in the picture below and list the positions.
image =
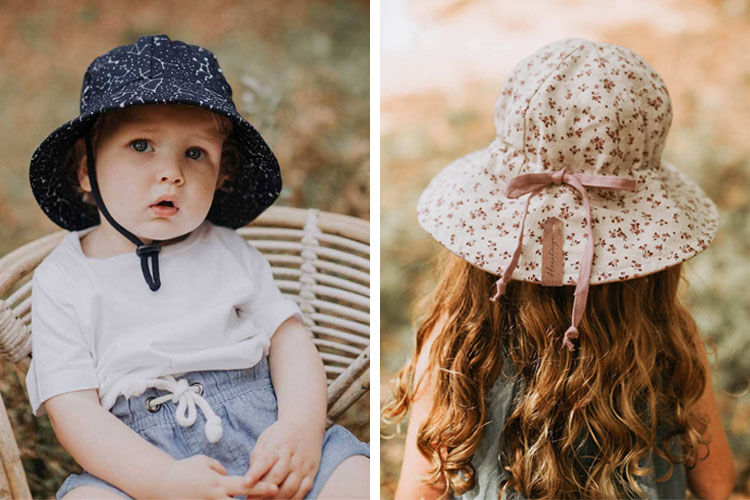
(532, 184)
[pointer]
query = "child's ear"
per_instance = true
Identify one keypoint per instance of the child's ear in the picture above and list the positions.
(220, 182)
(81, 168)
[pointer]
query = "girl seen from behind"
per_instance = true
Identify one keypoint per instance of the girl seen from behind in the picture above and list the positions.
(554, 358)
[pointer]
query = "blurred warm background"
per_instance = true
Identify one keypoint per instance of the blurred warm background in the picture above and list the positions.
(299, 71)
(443, 63)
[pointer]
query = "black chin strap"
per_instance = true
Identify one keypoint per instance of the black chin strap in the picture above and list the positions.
(142, 251)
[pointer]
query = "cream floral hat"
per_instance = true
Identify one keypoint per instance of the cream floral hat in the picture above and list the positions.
(573, 190)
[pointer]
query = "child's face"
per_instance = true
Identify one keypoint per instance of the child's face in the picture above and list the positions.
(145, 152)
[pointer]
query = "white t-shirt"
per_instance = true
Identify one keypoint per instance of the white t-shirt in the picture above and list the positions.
(96, 323)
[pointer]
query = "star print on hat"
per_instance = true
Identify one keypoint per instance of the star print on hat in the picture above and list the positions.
(155, 70)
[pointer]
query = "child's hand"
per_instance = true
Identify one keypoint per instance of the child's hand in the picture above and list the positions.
(200, 476)
(287, 454)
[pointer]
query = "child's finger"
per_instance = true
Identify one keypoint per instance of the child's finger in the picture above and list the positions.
(290, 485)
(237, 485)
(304, 487)
(261, 489)
(279, 471)
(216, 465)
(259, 465)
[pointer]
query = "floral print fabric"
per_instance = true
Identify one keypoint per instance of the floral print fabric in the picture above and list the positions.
(591, 108)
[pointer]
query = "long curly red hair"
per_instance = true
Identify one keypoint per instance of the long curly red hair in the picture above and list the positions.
(637, 356)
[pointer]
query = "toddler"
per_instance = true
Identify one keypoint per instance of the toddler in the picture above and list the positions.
(160, 341)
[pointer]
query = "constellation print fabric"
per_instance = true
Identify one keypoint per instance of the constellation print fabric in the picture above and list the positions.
(593, 109)
(156, 70)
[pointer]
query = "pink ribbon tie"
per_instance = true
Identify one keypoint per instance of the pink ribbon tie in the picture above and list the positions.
(532, 184)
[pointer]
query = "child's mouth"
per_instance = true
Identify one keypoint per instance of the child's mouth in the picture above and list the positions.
(164, 209)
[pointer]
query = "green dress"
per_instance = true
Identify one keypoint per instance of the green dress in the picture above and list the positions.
(490, 476)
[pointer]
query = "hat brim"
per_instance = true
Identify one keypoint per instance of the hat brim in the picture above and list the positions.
(667, 220)
(255, 186)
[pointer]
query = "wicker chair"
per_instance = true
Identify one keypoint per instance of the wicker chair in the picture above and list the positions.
(319, 259)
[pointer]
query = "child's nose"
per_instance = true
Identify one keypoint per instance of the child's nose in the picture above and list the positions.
(171, 172)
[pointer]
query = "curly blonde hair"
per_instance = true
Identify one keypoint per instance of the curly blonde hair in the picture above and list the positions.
(230, 153)
(637, 356)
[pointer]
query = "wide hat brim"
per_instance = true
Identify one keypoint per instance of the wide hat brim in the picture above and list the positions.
(667, 220)
(254, 187)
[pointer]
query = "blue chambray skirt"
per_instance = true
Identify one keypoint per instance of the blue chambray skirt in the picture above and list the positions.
(246, 403)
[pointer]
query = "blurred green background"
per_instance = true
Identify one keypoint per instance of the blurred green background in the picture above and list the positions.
(299, 71)
(442, 66)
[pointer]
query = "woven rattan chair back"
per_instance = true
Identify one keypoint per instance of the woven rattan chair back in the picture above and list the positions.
(319, 259)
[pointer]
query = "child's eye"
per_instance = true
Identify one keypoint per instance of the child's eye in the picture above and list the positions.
(139, 145)
(195, 153)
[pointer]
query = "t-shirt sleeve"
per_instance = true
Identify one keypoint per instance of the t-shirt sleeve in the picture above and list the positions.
(268, 307)
(62, 361)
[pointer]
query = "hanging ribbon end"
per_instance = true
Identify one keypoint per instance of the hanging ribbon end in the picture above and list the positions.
(571, 333)
(500, 286)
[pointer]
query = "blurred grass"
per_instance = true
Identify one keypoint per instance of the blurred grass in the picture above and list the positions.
(299, 71)
(708, 77)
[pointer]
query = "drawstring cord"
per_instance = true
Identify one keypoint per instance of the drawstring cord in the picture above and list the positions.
(532, 184)
(143, 251)
(186, 396)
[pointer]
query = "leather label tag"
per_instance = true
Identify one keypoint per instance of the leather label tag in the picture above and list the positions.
(552, 252)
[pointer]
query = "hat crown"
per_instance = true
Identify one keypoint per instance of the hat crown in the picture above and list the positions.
(128, 71)
(585, 106)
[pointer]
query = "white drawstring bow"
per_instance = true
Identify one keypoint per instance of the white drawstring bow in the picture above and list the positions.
(186, 396)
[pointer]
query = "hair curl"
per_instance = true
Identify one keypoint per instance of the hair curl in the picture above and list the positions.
(637, 356)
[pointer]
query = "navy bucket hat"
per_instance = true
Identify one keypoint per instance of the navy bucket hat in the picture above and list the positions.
(154, 70)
